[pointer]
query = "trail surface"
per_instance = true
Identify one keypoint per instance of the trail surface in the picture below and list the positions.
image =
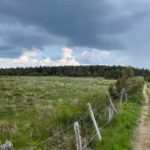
(142, 135)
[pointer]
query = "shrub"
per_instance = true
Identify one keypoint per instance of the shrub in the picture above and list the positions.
(147, 78)
(134, 85)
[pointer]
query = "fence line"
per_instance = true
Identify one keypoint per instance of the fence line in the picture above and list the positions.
(94, 121)
(78, 123)
(78, 136)
(91, 139)
(91, 112)
(123, 94)
(59, 133)
(60, 145)
(62, 131)
(111, 103)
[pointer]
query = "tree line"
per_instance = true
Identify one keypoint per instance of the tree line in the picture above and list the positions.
(73, 71)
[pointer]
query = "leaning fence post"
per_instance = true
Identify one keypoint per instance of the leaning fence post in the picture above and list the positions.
(94, 121)
(78, 136)
(111, 103)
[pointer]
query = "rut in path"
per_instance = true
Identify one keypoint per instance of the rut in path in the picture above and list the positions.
(142, 135)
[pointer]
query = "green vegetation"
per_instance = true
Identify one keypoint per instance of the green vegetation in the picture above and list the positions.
(147, 77)
(118, 134)
(109, 72)
(122, 80)
(35, 108)
(148, 92)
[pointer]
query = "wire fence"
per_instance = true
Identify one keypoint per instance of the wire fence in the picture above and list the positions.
(86, 114)
(90, 117)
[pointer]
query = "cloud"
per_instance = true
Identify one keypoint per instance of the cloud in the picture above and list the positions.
(67, 52)
(32, 58)
(99, 24)
(28, 58)
(68, 58)
(84, 53)
(17, 38)
(105, 31)
(101, 57)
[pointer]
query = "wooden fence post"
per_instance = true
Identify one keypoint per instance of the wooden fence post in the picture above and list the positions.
(111, 103)
(121, 96)
(94, 121)
(126, 95)
(111, 112)
(78, 136)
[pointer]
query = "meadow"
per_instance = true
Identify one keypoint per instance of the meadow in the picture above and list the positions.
(33, 111)
(34, 108)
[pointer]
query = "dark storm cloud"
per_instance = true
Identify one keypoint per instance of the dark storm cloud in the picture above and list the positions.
(7, 50)
(81, 23)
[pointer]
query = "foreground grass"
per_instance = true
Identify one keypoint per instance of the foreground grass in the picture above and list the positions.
(119, 133)
(35, 108)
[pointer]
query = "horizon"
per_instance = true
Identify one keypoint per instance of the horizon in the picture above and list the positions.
(81, 65)
(72, 33)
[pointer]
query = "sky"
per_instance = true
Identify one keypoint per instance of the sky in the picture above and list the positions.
(74, 32)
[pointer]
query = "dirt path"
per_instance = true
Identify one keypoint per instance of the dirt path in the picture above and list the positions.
(142, 136)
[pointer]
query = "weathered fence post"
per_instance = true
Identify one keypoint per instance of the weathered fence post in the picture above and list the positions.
(126, 95)
(123, 95)
(111, 112)
(78, 136)
(94, 121)
(111, 103)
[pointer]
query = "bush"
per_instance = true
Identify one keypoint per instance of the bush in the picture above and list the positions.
(134, 84)
(147, 78)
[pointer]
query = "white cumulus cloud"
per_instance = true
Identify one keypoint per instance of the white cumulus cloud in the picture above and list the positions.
(31, 58)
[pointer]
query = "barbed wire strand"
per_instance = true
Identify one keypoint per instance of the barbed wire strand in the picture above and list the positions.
(62, 131)
(70, 126)
(91, 139)
(60, 145)
(59, 133)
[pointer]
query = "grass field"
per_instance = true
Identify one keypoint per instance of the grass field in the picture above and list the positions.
(34, 108)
